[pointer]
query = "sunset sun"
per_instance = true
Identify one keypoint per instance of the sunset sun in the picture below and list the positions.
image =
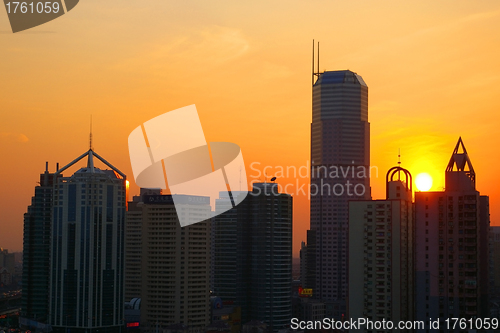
(423, 181)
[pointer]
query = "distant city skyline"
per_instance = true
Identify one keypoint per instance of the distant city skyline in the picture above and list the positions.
(180, 233)
(430, 65)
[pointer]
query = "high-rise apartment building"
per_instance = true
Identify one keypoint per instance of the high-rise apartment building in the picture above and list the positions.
(73, 250)
(340, 172)
(168, 266)
(452, 246)
(231, 254)
(134, 245)
(303, 263)
(381, 255)
(253, 255)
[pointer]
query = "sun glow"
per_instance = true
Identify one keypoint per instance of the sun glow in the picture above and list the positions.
(423, 181)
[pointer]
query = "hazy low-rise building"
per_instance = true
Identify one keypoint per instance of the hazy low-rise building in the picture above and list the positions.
(7, 260)
(5, 277)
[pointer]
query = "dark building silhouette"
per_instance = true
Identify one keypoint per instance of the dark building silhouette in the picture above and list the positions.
(381, 254)
(73, 243)
(7, 260)
(253, 255)
(168, 266)
(340, 171)
(452, 230)
(36, 251)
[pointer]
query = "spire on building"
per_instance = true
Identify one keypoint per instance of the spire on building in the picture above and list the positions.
(90, 136)
(90, 161)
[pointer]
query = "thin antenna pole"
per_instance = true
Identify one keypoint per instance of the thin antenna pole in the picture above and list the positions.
(318, 57)
(90, 137)
(313, 66)
(399, 164)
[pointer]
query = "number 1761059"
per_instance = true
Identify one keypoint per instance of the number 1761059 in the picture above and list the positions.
(33, 7)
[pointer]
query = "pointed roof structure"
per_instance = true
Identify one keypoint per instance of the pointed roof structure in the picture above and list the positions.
(460, 162)
(90, 163)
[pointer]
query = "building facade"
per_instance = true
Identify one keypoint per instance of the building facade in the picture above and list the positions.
(253, 255)
(231, 263)
(495, 263)
(452, 246)
(340, 172)
(87, 256)
(73, 250)
(381, 255)
(174, 275)
(303, 264)
(36, 251)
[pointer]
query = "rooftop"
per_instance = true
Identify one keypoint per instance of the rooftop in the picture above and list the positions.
(344, 76)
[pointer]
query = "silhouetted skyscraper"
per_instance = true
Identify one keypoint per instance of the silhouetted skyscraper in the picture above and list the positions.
(452, 229)
(340, 171)
(253, 255)
(74, 250)
(36, 251)
(87, 257)
(168, 266)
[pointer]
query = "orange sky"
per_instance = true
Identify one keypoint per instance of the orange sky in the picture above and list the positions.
(431, 66)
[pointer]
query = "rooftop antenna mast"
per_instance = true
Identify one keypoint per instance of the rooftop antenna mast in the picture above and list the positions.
(90, 136)
(399, 162)
(318, 60)
(314, 72)
(312, 77)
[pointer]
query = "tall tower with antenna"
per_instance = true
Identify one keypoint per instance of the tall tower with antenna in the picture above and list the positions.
(74, 249)
(340, 168)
